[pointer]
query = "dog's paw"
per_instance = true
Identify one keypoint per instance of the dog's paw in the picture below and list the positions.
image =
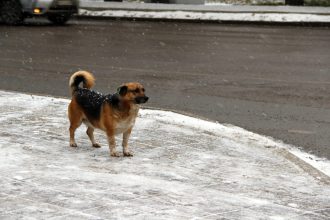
(128, 154)
(96, 145)
(114, 154)
(73, 145)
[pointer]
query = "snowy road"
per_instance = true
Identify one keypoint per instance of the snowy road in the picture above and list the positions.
(183, 168)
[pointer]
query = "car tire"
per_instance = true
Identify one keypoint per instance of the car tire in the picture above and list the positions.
(294, 2)
(160, 1)
(59, 19)
(11, 12)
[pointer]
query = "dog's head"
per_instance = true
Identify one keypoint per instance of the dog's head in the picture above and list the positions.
(133, 92)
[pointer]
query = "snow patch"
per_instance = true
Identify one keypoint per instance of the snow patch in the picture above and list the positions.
(212, 16)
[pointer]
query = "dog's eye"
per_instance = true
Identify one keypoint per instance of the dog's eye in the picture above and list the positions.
(143, 90)
(137, 91)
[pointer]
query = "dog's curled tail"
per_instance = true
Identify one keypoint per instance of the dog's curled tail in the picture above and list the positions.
(81, 76)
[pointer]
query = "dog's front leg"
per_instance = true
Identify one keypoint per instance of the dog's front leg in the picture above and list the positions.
(126, 135)
(112, 144)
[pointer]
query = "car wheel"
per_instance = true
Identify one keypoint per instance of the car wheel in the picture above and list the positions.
(11, 12)
(59, 19)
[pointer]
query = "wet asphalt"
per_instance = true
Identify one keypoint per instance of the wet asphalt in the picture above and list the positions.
(273, 80)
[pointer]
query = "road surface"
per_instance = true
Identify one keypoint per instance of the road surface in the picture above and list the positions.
(273, 80)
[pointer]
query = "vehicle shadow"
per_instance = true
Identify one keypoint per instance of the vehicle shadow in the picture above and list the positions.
(37, 22)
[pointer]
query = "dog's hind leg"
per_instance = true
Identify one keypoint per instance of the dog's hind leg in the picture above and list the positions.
(75, 118)
(90, 133)
(72, 129)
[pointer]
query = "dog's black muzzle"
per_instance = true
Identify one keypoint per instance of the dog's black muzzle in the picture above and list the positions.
(141, 100)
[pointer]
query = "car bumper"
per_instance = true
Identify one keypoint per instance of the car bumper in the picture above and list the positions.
(43, 7)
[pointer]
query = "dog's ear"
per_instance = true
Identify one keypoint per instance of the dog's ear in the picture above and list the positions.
(122, 90)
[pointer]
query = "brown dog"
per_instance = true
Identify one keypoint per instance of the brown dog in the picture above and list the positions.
(114, 114)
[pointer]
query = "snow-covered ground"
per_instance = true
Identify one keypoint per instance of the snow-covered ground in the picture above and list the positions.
(210, 11)
(208, 16)
(183, 168)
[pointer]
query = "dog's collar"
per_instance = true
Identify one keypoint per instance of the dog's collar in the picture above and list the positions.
(112, 99)
(109, 97)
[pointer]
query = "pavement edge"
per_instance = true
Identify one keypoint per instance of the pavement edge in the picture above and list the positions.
(308, 168)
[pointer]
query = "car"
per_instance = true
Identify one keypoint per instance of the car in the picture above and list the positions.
(57, 11)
